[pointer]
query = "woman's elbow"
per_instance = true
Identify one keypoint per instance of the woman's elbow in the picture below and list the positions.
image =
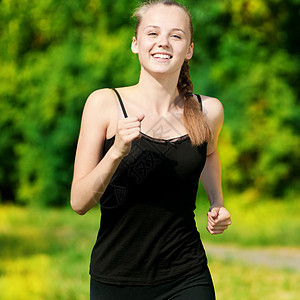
(77, 207)
(77, 204)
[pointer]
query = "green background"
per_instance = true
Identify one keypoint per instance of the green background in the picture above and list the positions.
(53, 54)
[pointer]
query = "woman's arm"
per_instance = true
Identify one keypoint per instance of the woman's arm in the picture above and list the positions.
(92, 171)
(218, 217)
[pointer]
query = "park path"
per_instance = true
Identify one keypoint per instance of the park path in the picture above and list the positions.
(274, 257)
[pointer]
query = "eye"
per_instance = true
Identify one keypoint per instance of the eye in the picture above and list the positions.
(152, 34)
(176, 36)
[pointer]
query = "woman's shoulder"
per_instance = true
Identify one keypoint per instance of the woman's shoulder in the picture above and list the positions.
(100, 107)
(101, 97)
(212, 104)
(107, 96)
(101, 101)
(212, 108)
(213, 112)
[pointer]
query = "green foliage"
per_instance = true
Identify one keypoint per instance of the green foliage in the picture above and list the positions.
(53, 54)
(250, 60)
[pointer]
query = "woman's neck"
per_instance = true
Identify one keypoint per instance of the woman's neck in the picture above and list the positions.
(159, 92)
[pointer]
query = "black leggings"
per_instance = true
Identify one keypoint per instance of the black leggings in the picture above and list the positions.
(196, 287)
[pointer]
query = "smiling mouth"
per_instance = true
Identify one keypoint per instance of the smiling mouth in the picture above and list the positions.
(162, 56)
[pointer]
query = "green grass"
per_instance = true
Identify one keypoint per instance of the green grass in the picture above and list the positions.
(235, 281)
(255, 221)
(44, 253)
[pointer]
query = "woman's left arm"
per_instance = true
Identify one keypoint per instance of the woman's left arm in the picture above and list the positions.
(218, 217)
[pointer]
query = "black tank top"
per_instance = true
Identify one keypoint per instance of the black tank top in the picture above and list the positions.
(147, 231)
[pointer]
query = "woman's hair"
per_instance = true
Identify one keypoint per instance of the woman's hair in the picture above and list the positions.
(194, 122)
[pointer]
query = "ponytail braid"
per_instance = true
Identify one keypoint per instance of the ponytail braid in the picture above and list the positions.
(194, 122)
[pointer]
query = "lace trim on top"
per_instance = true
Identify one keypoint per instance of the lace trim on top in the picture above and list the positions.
(158, 140)
(171, 140)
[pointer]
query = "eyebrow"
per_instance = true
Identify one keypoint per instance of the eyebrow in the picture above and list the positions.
(173, 29)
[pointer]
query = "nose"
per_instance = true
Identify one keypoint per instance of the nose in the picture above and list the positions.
(163, 40)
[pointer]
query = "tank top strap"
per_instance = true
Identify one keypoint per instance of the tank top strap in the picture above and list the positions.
(121, 103)
(199, 100)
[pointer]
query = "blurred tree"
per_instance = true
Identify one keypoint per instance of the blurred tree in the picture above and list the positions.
(249, 58)
(54, 53)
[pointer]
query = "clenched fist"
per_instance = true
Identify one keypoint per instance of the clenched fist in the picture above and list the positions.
(218, 220)
(128, 130)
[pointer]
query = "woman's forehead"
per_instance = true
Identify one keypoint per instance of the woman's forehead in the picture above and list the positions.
(165, 16)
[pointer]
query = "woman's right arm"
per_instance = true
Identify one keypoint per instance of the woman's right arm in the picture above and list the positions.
(92, 170)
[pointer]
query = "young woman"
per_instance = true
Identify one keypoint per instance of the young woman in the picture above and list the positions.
(140, 153)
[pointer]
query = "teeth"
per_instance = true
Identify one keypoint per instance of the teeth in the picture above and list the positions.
(165, 56)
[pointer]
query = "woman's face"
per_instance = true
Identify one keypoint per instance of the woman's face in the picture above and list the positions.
(163, 39)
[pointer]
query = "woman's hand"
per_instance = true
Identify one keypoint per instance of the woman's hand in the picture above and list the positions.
(218, 220)
(128, 130)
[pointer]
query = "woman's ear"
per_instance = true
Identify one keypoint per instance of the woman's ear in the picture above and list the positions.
(134, 46)
(190, 51)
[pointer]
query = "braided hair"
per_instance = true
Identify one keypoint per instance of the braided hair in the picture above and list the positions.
(194, 122)
(193, 118)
